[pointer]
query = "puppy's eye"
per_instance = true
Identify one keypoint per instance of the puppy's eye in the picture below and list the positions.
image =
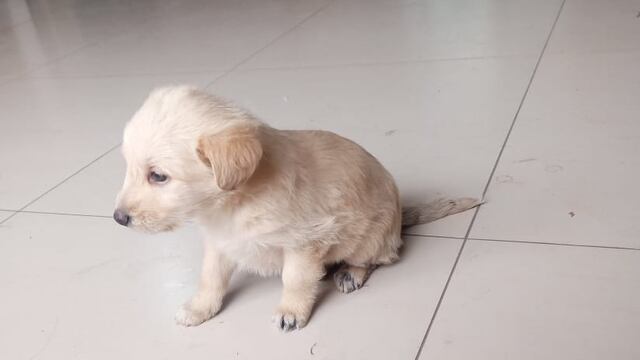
(157, 178)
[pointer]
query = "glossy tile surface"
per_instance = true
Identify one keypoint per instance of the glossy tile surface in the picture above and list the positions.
(52, 128)
(92, 191)
(362, 32)
(13, 13)
(571, 166)
(409, 117)
(106, 285)
(430, 87)
(589, 26)
(35, 34)
(194, 36)
(530, 301)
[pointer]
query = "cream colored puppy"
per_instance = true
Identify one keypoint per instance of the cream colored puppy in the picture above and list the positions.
(269, 201)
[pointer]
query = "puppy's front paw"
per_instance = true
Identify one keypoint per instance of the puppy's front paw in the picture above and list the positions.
(195, 313)
(288, 320)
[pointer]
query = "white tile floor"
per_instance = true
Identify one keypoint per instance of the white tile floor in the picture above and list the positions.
(549, 268)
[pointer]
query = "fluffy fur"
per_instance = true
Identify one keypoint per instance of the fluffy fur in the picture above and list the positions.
(269, 201)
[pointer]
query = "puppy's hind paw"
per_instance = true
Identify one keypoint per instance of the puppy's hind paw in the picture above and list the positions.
(286, 321)
(350, 278)
(345, 282)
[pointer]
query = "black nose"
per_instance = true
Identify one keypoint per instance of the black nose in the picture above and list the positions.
(121, 217)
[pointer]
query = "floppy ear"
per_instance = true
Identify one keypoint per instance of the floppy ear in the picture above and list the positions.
(233, 155)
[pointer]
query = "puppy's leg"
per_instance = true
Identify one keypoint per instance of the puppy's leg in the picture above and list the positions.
(349, 277)
(214, 280)
(301, 276)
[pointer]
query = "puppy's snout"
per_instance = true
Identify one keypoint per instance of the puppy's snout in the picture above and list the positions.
(121, 217)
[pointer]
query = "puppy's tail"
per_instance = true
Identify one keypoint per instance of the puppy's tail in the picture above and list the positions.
(426, 213)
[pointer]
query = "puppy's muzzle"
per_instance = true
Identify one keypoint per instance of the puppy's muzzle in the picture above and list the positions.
(121, 217)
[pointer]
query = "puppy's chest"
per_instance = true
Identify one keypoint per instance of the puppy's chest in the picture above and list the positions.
(250, 251)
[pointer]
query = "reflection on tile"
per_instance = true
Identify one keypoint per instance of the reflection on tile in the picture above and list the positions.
(365, 31)
(194, 37)
(45, 32)
(13, 12)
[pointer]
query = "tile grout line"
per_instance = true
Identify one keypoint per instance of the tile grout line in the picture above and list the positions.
(271, 42)
(385, 63)
(121, 75)
(556, 244)
(434, 236)
(64, 214)
(26, 74)
(446, 285)
(60, 183)
(525, 242)
(488, 183)
(274, 68)
(278, 68)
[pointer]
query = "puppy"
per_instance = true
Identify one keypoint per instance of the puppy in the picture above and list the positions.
(268, 201)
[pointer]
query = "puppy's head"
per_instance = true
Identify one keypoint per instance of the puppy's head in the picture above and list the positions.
(185, 151)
